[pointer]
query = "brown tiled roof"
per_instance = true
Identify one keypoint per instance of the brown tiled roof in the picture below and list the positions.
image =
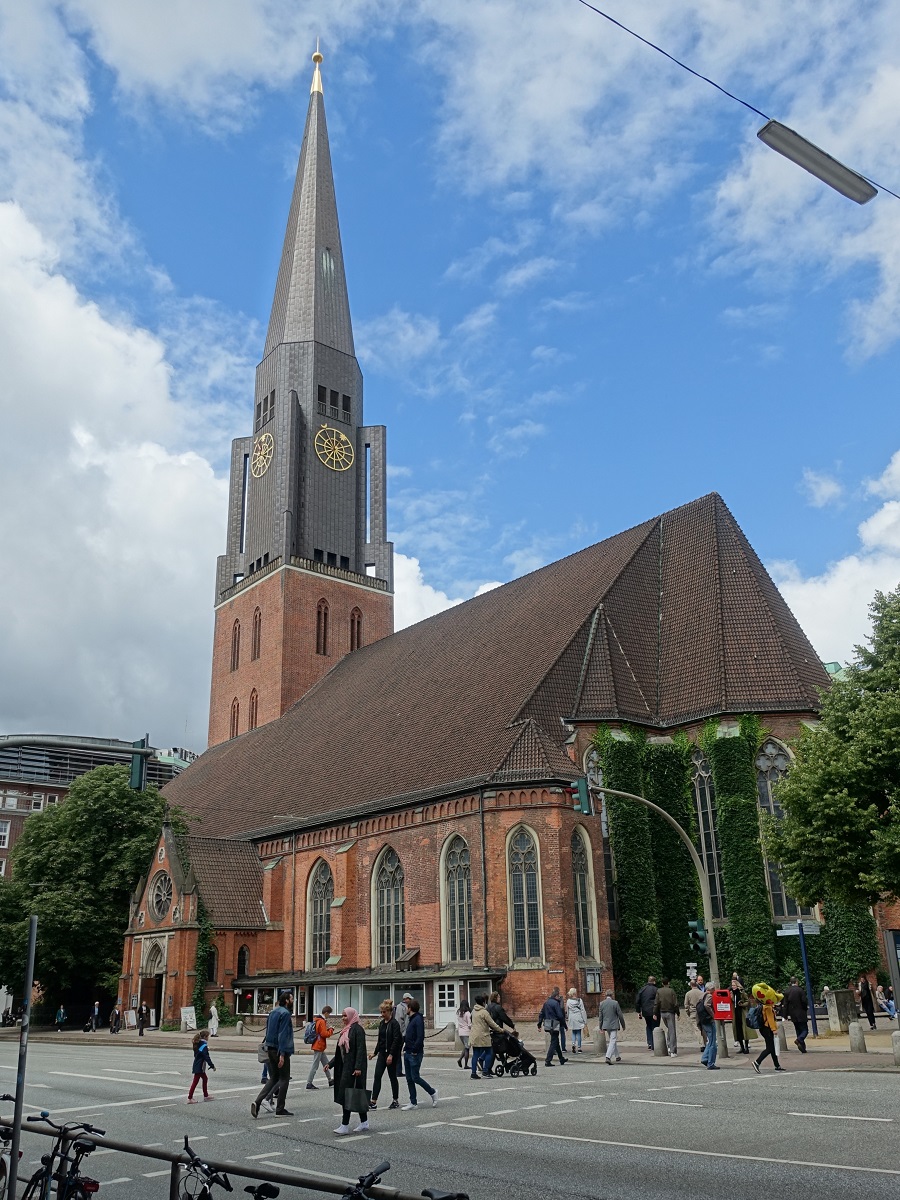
(228, 875)
(668, 622)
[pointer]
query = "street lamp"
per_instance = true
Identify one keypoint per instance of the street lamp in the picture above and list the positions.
(789, 143)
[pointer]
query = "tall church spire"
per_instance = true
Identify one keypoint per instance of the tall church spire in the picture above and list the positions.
(311, 302)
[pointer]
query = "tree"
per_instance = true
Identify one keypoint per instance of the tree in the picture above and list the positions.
(840, 835)
(75, 867)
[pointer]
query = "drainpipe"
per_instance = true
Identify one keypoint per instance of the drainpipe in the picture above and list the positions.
(484, 904)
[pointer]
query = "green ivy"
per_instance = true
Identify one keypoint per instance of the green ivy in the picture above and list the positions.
(637, 951)
(751, 935)
(850, 939)
(667, 780)
(204, 946)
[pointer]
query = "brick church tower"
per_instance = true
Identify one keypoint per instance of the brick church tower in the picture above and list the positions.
(307, 575)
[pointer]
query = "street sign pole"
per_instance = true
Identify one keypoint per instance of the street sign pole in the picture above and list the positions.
(809, 992)
(23, 1051)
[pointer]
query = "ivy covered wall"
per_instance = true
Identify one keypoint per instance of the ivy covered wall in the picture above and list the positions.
(667, 782)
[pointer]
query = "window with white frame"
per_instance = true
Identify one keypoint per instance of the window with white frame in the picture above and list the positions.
(458, 890)
(4, 834)
(37, 803)
(523, 895)
(2, 866)
(390, 908)
(321, 894)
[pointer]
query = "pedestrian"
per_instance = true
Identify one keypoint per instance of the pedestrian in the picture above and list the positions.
(551, 1020)
(115, 1019)
(739, 1004)
(707, 1024)
(667, 1010)
(388, 1048)
(349, 1066)
(498, 1012)
(463, 1031)
(202, 1060)
(761, 1016)
(865, 999)
(796, 1008)
(320, 1053)
(401, 1012)
(413, 1053)
(213, 1020)
(62, 1016)
(279, 1039)
(480, 1039)
(692, 999)
(576, 1019)
(95, 1017)
(885, 1003)
(645, 1007)
(611, 1021)
(143, 1018)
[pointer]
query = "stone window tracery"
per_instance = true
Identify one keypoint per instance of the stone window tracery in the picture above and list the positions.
(705, 800)
(524, 902)
(458, 893)
(390, 908)
(321, 894)
(772, 762)
(161, 895)
(581, 895)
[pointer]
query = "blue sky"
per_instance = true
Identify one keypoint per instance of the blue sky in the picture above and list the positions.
(582, 291)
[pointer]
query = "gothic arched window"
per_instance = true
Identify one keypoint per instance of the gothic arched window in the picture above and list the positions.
(235, 717)
(705, 799)
(235, 645)
(256, 640)
(772, 763)
(582, 896)
(390, 911)
(523, 895)
(594, 773)
(243, 961)
(321, 894)
(212, 965)
(322, 627)
(253, 710)
(355, 629)
(458, 891)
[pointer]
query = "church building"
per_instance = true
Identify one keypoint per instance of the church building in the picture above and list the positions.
(382, 812)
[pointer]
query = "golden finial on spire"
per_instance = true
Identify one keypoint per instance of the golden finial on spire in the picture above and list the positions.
(317, 76)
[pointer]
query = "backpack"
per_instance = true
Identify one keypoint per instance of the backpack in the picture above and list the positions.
(753, 1017)
(309, 1033)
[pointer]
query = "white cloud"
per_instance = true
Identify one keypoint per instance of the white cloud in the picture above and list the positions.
(527, 273)
(414, 599)
(820, 489)
(395, 340)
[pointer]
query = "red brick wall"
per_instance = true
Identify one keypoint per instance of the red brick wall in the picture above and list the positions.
(288, 664)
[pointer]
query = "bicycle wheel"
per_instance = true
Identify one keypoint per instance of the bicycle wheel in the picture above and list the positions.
(37, 1188)
(3, 1178)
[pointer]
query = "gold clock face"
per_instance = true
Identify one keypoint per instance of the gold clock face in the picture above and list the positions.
(334, 448)
(263, 449)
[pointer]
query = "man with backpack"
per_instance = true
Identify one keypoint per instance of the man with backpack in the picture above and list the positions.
(316, 1034)
(707, 1026)
(279, 1041)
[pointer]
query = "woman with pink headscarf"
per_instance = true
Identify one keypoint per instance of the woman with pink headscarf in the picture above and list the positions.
(349, 1066)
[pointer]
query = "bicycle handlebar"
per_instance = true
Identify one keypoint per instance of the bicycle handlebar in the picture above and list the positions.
(205, 1170)
(69, 1127)
(373, 1177)
(12, 1099)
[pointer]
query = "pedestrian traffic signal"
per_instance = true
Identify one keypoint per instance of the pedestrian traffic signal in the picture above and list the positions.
(699, 942)
(581, 796)
(138, 780)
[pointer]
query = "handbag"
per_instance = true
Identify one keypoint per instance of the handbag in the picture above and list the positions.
(357, 1100)
(262, 1052)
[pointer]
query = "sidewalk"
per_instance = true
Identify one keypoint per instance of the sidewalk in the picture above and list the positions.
(831, 1052)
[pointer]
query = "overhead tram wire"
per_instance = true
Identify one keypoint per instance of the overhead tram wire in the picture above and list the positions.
(705, 78)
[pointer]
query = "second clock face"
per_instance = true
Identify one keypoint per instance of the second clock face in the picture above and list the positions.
(334, 448)
(263, 449)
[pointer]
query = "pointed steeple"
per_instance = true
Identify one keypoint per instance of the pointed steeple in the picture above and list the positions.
(311, 302)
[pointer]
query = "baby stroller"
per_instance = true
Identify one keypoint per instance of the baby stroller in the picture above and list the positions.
(510, 1056)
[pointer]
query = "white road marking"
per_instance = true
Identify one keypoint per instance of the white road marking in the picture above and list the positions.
(789, 1162)
(527, 1106)
(841, 1117)
(268, 1154)
(277, 1125)
(501, 1112)
(177, 1087)
(305, 1120)
(432, 1124)
(574, 1100)
(472, 1117)
(136, 1072)
(227, 1133)
(192, 1137)
(671, 1103)
(124, 1179)
(156, 1174)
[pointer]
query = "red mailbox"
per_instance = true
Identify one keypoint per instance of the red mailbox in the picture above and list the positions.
(722, 1007)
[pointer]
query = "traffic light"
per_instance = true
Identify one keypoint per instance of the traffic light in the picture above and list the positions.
(581, 797)
(699, 943)
(138, 780)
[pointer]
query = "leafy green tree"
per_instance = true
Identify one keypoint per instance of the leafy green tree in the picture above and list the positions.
(75, 867)
(840, 835)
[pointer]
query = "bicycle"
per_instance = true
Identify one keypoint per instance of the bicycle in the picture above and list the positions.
(263, 1191)
(360, 1190)
(70, 1183)
(5, 1150)
(199, 1179)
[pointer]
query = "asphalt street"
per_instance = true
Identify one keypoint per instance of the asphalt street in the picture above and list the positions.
(647, 1127)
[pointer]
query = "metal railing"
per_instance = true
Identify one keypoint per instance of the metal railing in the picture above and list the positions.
(286, 1178)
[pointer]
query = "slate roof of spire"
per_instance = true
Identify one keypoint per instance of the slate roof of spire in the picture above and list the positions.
(672, 621)
(311, 302)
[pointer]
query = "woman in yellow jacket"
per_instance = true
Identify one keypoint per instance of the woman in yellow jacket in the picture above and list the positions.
(768, 1027)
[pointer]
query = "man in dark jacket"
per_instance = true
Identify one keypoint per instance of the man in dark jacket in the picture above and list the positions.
(796, 1009)
(552, 1020)
(280, 1047)
(667, 1010)
(413, 1053)
(645, 1007)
